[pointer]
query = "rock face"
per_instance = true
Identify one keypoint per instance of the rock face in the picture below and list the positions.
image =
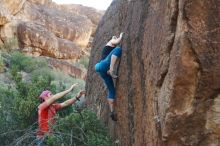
(12, 6)
(8, 8)
(169, 78)
(43, 28)
(68, 68)
(54, 31)
(42, 2)
(91, 13)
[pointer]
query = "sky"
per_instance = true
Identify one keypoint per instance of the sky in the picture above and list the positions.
(98, 4)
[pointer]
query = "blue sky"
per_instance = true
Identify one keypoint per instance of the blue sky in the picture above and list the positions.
(98, 4)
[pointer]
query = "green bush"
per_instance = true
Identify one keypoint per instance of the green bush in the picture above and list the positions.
(25, 63)
(7, 120)
(79, 130)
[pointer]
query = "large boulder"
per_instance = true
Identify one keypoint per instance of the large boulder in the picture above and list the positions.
(69, 31)
(72, 70)
(5, 15)
(169, 79)
(8, 8)
(9, 30)
(38, 38)
(91, 13)
(75, 28)
(12, 6)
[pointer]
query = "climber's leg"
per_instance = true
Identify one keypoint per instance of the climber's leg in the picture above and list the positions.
(111, 104)
(112, 113)
(111, 94)
(112, 58)
(102, 68)
(111, 90)
(112, 65)
(109, 84)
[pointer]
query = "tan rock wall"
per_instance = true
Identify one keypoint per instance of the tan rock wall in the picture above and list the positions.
(9, 8)
(67, 26)
(13, 6)
(5, 16)
(41, 2)
(68, 31)
(9, 30)
(37, 36)
(91, 13)
(68, 68)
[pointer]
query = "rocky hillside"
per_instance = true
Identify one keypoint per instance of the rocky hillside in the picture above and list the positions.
(91, 13)
(169, 80)
(43, 28)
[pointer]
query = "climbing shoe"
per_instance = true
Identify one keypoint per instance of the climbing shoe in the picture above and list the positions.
(111, 73)
(113, 116)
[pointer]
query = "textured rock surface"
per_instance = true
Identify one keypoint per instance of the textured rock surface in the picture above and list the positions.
(36, 36)
(68, 68)
(72, 31)
(12, 6)
(169, 77)
(4, 15)
(56, 32)
(91, 13)
(8, 8)
(42, 2)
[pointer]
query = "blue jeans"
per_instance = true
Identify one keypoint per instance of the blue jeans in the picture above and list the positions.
(103, 66)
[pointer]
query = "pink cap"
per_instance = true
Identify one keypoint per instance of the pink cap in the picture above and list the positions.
(44, 94)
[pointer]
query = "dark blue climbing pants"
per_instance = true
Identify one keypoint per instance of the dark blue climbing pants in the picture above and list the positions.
(103, 66)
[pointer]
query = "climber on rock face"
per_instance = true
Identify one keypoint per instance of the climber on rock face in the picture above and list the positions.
(48, 108)
(105, 67)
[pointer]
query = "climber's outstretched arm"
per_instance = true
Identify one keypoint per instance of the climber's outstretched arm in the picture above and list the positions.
(59, 95)
(116, 41)
(72, 100)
